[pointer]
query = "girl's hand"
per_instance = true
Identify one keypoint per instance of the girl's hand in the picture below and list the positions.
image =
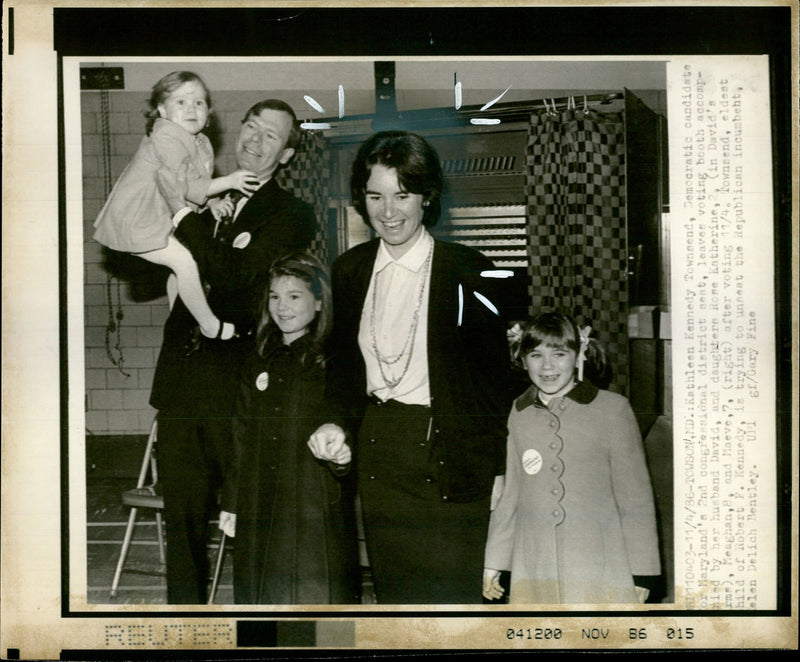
(220, 207)
(328, 443)
(492, 590)
(244, 181)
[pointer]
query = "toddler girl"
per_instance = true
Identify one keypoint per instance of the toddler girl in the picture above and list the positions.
(576, 520)
(174, 156)
(294, 523)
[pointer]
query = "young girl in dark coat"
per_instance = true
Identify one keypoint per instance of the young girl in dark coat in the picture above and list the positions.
(294, 533)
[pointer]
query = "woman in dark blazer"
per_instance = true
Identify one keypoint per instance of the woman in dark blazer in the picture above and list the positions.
(419, 376)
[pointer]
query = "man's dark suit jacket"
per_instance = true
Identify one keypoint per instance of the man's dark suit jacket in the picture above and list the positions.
(204, 384)
(468, 363)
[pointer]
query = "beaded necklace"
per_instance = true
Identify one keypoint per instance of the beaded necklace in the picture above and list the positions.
(384, 360)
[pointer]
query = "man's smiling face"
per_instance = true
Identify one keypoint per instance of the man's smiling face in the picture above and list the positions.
(261, 146)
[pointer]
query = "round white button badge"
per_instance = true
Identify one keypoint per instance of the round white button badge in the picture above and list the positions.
(241, 240)
(262, 381)
(532, 461)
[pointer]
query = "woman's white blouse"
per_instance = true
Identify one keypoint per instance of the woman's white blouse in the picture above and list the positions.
(398, 296)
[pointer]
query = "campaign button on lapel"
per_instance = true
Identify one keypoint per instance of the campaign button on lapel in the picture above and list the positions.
(242, 240)
(532, 461)
(262, 381)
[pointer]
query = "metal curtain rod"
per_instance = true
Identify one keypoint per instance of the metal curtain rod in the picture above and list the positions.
(523, 107)
(509, 111)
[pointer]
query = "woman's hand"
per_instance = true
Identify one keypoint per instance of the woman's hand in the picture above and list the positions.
(328, 443)
(227, 523)
(245, 181)
(492, 590)
(342, 454)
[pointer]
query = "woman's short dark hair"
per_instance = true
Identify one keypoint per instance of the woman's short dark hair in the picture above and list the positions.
(166, 86)
(282, 106)
(416, 162)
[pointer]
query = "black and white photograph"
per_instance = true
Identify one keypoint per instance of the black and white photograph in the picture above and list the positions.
(534, 187)
(438, 341)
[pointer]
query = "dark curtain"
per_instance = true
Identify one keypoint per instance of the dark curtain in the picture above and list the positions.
(307, 176)
(575, 191)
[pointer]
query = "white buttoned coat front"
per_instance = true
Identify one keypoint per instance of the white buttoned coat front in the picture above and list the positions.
(576, 520)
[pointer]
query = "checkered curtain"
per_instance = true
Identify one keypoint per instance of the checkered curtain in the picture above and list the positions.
(307, 176)
(575, 190)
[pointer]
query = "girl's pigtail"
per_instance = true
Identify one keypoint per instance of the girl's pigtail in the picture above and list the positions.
(585, 335)
(596, 367)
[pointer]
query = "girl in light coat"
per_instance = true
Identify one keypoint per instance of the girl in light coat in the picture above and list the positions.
(576, 520)
(171, 170)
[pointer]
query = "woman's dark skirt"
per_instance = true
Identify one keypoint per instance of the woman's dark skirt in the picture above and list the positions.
(422, 549)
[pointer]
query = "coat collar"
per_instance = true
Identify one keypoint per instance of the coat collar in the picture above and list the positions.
(583, 394)
(252, 212)
(267, 189)
(297, 347)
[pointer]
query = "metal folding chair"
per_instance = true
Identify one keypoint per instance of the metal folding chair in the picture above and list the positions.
(142, 496)
(212, 594)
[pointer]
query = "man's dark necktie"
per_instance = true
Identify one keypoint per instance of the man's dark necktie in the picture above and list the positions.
(225, 223)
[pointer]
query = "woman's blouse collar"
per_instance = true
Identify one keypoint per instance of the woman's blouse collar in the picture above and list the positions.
(412, 259)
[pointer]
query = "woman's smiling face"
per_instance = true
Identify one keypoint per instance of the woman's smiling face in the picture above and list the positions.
(394, 213)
